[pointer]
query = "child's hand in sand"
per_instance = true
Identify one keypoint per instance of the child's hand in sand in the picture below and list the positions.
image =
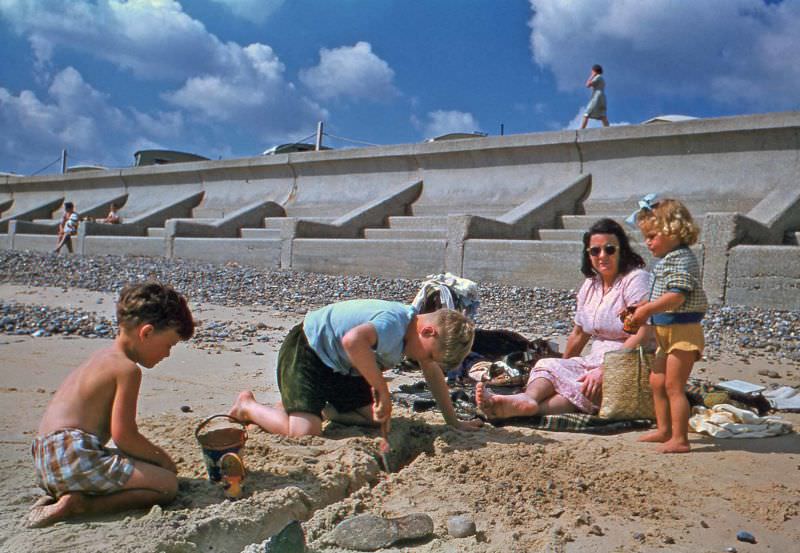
(470, 426)
(382, 406)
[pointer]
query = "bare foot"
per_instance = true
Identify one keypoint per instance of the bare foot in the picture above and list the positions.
(44, 500)
(44, 514)
(675, 446)
(239, 409)
(654, 436)
(502, 407)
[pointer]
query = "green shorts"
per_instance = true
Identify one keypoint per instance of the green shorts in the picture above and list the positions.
(307, 384)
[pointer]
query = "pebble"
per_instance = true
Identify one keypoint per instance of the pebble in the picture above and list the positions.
(186, 409)
(460, 526)
(532, 311)
(730, 550)
(745, 537)
(638, 536)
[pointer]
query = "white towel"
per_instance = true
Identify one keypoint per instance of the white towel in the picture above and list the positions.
(727, 421)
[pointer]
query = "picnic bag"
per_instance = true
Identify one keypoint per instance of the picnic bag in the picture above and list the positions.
(626, 385)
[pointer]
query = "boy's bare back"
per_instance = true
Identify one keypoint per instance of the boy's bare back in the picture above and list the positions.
(86, 399)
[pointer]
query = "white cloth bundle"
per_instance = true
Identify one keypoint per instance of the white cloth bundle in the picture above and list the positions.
(726, 421)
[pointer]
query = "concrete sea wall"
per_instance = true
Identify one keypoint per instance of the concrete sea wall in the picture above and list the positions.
(505, 208)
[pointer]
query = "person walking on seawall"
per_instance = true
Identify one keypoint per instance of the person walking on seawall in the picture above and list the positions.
(597, 105)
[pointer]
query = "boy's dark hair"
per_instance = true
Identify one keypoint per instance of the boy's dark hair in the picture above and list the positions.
(628, 259)
(69, 206)
(156, 304)
(597, 68)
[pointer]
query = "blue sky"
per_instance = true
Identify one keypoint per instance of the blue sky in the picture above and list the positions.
(230, 78)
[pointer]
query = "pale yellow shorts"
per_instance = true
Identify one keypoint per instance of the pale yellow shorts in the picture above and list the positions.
(683, 337)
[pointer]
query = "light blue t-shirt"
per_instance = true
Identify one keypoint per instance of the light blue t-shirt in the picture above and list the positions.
(325, 328)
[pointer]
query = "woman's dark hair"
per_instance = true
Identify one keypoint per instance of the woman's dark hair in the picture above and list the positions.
(628, 259)
(597, 68)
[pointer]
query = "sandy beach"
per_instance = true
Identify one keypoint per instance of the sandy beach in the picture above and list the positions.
(526, 490)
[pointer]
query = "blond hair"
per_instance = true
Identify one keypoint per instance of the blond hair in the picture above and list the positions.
(670, 218)
(456, 334)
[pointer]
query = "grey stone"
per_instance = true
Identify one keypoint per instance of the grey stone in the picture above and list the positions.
(460, 526)
(370, 532)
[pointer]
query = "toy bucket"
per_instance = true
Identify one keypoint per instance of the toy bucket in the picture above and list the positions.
(219, 441)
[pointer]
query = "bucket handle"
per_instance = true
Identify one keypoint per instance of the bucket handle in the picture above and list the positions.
(212, 417)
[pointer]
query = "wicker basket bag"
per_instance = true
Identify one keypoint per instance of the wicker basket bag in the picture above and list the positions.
(626, 385)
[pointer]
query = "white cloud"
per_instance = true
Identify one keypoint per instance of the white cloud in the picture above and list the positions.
(734, 52)
(215, 82)
(256, 11)
(350, 71)
(442, 122)
(75, 116)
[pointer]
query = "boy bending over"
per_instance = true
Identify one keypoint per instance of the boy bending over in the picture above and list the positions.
(96, 402)
(333, 360)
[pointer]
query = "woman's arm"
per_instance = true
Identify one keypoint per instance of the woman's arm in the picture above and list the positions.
(575, 342)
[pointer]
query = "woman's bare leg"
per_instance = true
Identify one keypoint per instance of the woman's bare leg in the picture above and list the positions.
(524, 404)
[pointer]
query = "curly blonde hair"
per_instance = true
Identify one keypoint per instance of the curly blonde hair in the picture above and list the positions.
(670, 218)
(456, 334)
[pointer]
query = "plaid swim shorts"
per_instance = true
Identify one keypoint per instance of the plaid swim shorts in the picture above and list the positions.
(71, 460)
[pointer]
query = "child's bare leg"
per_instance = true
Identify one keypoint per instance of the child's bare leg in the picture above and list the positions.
(660, 403)
(275, 420)
(359, 417)
(147, 486)
(679, 365)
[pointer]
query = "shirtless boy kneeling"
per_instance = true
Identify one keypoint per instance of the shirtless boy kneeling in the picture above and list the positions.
(98, 401)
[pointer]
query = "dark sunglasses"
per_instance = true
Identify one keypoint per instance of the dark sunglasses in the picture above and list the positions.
(594, 251)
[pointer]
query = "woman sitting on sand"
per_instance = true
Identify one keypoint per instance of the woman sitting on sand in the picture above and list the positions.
(614, 280)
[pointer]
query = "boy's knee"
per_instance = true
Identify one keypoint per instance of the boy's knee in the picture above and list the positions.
(169, 491)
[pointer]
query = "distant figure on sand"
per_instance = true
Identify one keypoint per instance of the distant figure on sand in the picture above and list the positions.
(97, 401)
(330, 366)
(67, 227)
(614, 281)
(676, 306)
(596, 109)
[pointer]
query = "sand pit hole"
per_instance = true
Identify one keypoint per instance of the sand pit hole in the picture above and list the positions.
(409, 440)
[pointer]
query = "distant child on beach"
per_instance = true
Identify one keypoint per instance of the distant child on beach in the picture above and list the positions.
(96, 402)
(676, 306)
(331, 364)
(67, 227)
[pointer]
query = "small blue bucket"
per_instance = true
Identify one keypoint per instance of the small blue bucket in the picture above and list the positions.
(219, 441)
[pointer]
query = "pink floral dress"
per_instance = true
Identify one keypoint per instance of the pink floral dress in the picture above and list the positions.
(597, 314)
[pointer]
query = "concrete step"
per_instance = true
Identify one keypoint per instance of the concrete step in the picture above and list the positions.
(261, 233)
(445, 210)
(155, 231)
(583, 222)
(429, 222)
(276, 222)
(404, 234)
(577, 234)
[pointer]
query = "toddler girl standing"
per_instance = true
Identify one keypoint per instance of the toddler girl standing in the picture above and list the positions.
(676, 306)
